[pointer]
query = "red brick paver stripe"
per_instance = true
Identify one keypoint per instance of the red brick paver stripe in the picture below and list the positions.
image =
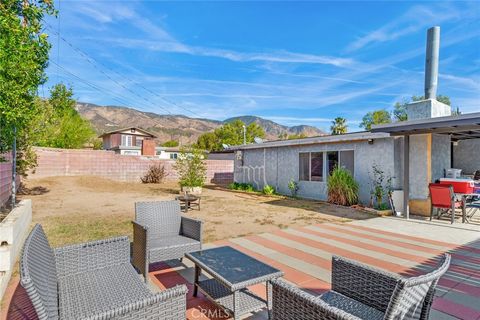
(419, 247)
(405, 245)
(455, 309)
(416, 239)
(364, 245)
(166, 277)
(393, 267)
(401, 236)
(300, 279)
(299, 254)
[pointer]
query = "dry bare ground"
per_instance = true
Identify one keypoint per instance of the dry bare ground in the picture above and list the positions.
(77, 209)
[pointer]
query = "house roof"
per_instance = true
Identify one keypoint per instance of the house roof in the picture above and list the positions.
(460, 127)
(129, 128)
(349, 137)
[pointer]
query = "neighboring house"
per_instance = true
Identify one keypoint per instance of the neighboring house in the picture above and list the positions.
(167, 152)
(171, 153)
(130, 141)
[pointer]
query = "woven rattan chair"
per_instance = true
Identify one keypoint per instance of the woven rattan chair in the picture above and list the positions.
(93, 280)
(360, 292)
(161, 233)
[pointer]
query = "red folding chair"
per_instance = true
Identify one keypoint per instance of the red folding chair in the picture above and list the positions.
(443, 200)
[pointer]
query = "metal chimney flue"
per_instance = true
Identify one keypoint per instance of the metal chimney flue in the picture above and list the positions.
(431, 62)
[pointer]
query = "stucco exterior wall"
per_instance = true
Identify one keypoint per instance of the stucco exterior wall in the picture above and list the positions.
(276, 166)
(466, 155)
(441, 155)
(420, 170)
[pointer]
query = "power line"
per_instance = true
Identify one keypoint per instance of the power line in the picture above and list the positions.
(93, 61)
(124, 101)
(110, 78)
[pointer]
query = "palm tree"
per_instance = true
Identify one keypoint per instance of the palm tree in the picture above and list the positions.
(339, 126)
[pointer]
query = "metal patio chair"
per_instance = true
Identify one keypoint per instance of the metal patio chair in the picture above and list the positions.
(161, 233)
(360, 292)
(443, 200)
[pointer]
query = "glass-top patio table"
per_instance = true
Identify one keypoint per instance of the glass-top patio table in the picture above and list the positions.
(232, 272)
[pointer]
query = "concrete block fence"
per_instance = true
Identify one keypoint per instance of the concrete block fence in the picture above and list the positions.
(108, 164)
(5, 178)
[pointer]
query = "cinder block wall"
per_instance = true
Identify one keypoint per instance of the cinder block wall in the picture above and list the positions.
(108, 164)
(5, 178)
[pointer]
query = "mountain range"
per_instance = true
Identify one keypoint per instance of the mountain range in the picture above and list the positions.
(177, 127)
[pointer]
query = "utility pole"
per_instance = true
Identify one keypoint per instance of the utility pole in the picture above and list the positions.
(244, 134)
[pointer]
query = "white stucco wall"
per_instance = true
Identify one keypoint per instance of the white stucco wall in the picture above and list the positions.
(466, 155)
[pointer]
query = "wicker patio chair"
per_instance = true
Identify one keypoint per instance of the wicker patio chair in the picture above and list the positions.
(93, 281)
(360, 292)
(161, 233)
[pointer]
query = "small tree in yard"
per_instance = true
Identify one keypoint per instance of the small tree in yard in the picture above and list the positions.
(155, 174)
(23, 58)
(191, 168)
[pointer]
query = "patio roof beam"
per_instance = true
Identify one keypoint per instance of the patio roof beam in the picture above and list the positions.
(444, 130)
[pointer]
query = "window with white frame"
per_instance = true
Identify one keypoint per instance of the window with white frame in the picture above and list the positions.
(126, 140)
(314, 165)
(310, 166)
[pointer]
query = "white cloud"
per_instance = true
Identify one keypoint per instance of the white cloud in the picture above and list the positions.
(417, 18)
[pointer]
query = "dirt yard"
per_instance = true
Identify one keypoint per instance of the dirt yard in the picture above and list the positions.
(76, 209)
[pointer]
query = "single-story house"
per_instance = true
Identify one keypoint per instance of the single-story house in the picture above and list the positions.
(309, 161)
(413, 153)
(130, 141)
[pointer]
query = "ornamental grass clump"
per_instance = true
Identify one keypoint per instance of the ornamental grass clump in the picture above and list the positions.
(342, 187)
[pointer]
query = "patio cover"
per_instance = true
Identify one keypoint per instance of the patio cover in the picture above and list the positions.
(459, 127)
(465, 126)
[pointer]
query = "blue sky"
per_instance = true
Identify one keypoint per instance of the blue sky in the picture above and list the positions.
(291, 62)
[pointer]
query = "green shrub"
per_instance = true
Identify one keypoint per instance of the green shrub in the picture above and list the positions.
(342, 187)
(293, 186)
(241, 186)
(248, 187)
(233, 186)
(268, 190)
(191, 167)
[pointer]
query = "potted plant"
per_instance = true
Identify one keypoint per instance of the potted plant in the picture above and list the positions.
(191, 169)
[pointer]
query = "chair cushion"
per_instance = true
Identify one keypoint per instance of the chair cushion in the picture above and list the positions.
(162, 249)
(86, 294)
(351, 306)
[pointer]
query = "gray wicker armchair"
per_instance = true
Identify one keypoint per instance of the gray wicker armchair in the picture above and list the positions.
(360, 292)
(161, 233)
(93, 281)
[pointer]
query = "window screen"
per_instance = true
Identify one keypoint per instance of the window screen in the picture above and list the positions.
(316, 166)
(347, 160)
(304, 168)
(332, 161)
